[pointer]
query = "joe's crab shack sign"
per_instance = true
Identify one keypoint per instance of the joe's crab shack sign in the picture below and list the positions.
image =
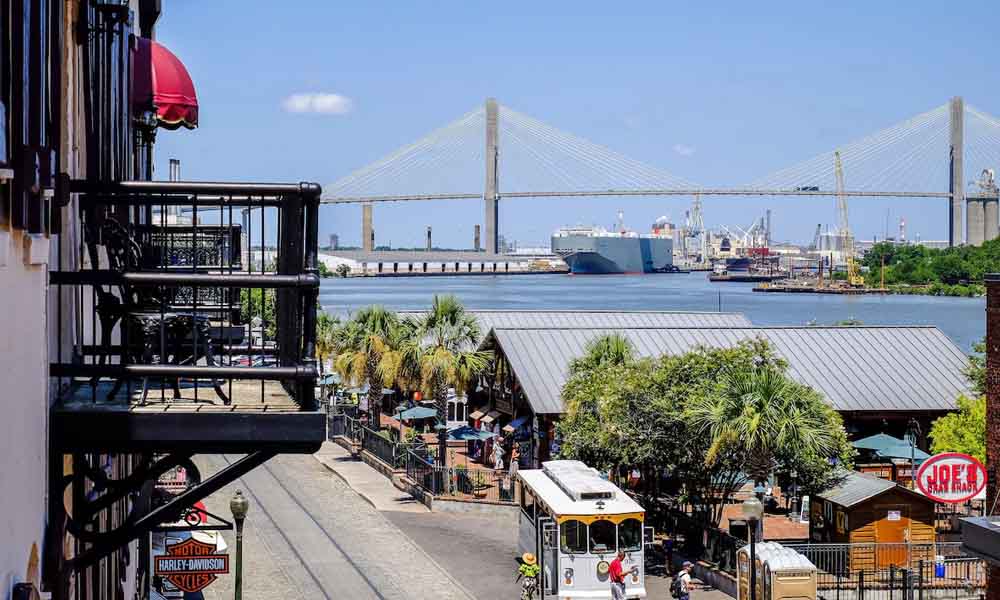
(951, 477)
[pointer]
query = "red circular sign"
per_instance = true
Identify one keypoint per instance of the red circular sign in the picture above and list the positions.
(951, 477)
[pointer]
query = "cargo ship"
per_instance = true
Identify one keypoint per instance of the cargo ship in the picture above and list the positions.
(597, 251)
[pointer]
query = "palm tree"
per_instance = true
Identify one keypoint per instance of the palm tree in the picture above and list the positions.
(326, 337)
(612, 349)
(447, 357)
(761, 414)
(361, 345)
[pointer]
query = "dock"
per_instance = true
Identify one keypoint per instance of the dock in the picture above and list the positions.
(745, 278)
(816, 289)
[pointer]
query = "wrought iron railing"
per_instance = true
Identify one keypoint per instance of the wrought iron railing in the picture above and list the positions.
(190, 292)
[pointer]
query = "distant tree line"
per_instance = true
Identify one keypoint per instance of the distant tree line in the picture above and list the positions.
(956, 271)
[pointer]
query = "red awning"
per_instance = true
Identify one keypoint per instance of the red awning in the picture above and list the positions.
(160, 80)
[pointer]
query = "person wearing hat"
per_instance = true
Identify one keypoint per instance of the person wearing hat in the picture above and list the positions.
(684, 581)
(529, 570)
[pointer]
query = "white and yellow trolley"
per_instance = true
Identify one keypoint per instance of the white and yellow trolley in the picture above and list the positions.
(575, 521)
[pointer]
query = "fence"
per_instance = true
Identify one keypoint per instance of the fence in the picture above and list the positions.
(461, 483)
(966, 581)
(337, 419)
(845, 558)
(696, 540)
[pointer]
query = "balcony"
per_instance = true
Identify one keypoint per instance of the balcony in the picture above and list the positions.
(187, 320)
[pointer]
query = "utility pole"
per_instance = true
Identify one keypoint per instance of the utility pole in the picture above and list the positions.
(956, 179)
(490, 194)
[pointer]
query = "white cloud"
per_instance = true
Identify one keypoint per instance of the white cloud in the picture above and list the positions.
(683, 150)
(320, 103)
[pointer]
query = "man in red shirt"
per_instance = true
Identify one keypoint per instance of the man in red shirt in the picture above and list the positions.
(617, 577)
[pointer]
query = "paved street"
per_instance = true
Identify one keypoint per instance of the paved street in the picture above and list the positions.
(309, 536)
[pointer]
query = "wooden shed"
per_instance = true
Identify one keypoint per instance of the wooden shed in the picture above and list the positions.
(885, 523)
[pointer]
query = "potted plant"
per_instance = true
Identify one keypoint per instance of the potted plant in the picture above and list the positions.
(479, 485)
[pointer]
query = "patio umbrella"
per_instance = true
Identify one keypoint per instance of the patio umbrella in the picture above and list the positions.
(466, 433)
(879, 441)
(903, 451)
(329, 379)
(417, 412)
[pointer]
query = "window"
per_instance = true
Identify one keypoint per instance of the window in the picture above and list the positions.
(460, 412)
(573, 537)
(528, 504)
(602, 537)
(451, 411)
(630, 535)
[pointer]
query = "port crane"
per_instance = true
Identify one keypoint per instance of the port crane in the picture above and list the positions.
(854, 277)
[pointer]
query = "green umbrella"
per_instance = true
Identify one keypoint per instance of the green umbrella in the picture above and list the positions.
(417, 412)
(879, 441)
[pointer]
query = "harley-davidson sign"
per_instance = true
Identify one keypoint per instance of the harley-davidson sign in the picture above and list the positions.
(951, 477)
(191, 565)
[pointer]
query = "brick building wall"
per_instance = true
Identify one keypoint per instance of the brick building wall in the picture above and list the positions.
(993, 410)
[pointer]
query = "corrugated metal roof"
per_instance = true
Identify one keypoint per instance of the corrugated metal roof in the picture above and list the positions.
(490, 319)
(855, 368)
(855, 488)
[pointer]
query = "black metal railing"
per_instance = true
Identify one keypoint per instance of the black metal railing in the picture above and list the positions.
(696, 540)
(190, 292)
(962, 579)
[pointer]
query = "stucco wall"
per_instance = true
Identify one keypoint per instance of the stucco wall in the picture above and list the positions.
(24, 393)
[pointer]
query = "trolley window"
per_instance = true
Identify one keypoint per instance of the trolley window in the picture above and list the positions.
(602, 537)
(573, 537)
(630, 535)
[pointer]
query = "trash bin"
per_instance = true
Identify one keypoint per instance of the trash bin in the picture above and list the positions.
(781, 573)
(939, 566)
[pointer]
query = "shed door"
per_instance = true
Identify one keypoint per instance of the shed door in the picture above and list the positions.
(892, 534)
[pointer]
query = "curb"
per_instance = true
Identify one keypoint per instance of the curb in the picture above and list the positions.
(417, 546)
(346, 482)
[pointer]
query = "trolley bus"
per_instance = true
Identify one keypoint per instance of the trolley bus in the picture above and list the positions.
(575, 521)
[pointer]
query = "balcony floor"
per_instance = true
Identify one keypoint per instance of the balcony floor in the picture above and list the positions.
(85, 420)
(245, 396)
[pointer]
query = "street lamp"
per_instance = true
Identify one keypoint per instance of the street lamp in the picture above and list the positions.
(795, 491)
(912, 433)
(239, 506)
(753, 512)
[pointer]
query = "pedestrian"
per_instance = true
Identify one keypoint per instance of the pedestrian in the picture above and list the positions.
(617, 576)
(681, 587)
(515, 459)
(529, 571)
(497, 456)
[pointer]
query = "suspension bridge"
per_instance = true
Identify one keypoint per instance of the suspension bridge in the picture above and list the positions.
(925, 156)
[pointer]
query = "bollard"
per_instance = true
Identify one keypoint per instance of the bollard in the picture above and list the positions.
(861, 584)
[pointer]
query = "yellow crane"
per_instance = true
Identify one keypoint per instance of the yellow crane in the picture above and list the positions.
(854, 277)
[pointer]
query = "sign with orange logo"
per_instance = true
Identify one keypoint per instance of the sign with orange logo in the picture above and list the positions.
(191, 565)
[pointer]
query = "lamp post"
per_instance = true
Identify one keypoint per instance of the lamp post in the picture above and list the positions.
(753, 512)
(239, 505)
(912, 433)
(795, 492)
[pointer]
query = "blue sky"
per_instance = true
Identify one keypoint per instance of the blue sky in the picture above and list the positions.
(745, 88)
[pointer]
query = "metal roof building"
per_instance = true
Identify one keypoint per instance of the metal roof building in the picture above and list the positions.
(861, 369)
(559, 319)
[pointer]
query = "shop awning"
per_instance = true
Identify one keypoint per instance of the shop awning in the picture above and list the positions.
(491, 416)
(160, 81)
(476, 415)
(515, 424)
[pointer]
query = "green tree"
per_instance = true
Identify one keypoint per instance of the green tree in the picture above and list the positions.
(608, 350)
(446, 354)
(326, 336)
(361, 344)
(962, 431)
(343, 270)
(769, 420)
(636, 413)
(324, 271)
(259, 303)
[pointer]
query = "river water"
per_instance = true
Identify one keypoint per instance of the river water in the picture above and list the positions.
(962, 319)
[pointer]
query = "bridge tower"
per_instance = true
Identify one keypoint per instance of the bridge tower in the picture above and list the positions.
(490, 194)
(956, 180)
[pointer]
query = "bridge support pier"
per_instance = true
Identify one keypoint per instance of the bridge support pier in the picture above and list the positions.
(490, 199)
(956, 185)
(367, 232)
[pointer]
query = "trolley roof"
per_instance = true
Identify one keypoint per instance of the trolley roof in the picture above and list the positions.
(569, 487)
